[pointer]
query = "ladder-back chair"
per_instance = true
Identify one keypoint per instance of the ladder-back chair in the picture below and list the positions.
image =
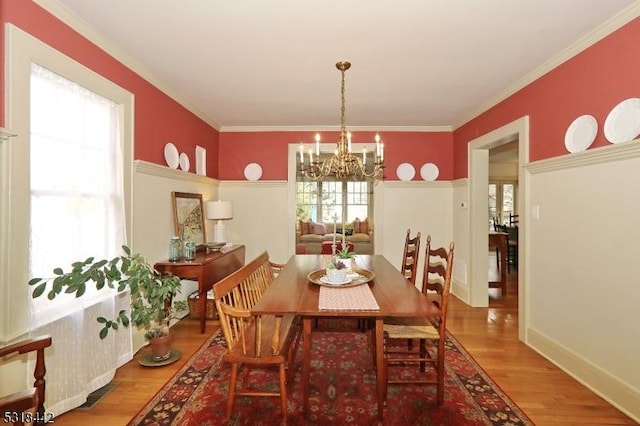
(436, 285)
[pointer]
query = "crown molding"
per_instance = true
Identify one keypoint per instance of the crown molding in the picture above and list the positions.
(248, 129)
(79, 25)
(597, 34)
(604, 154)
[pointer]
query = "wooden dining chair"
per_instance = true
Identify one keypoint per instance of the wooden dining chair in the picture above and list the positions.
(31, 399)
(410, 256)
(429, 332)
(512, 247)
(254, 342)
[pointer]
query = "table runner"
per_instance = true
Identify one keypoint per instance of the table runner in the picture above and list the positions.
(359, 298)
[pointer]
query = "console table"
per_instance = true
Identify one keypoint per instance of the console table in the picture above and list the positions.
(207, 269)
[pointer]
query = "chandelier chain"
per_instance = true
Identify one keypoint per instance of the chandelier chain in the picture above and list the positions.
(343, 164)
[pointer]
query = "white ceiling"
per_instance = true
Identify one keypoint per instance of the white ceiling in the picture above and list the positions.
(415, 63)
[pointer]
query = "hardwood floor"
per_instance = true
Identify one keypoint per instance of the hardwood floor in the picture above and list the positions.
(546, 394)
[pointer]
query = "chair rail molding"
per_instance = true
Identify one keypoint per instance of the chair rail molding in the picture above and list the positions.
(600, 155)
(153, 169)
(5, 134)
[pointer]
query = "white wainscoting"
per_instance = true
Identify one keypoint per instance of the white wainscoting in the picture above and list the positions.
(583, 288)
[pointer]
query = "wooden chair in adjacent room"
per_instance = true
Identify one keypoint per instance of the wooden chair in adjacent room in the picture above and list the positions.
(429, 332)
(30, 400)
(512, 247)
(254, 342)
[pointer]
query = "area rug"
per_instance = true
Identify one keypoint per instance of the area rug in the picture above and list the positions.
(342, 390)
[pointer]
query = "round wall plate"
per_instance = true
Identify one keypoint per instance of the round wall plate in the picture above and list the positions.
(253, 171)
(623, 122)
(171, 155)
(429, 171)
(184, 162)
(405, 172)
(581, 133)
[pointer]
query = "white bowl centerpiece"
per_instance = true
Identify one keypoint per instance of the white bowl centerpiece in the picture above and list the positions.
(335, 272)
(346, 257)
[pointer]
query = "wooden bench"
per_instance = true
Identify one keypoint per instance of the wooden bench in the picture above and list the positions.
(254, 341)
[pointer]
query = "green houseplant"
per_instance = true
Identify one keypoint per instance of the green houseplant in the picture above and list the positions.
(151, 292)
(344, 253)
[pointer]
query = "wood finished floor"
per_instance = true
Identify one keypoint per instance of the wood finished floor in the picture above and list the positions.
(545, 393)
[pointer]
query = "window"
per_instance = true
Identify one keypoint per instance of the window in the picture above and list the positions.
(77, 201)
(501, 201)
(56, 166)
(323, 201)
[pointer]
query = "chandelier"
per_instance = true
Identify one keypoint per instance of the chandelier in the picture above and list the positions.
(343, 163)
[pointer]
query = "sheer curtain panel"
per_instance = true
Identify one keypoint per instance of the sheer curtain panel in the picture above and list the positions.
(76, 212)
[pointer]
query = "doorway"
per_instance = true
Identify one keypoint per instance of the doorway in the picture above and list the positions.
(478, 154)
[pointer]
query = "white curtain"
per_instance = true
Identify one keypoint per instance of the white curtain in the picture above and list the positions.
(77, 211)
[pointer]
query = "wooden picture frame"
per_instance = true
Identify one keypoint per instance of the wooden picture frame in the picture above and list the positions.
(188, 217)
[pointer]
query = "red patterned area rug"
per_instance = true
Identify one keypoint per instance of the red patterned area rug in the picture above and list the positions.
(342, 390)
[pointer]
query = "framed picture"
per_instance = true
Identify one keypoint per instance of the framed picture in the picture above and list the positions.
(188, 217)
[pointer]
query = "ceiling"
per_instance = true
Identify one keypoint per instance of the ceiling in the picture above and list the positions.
(416, 64)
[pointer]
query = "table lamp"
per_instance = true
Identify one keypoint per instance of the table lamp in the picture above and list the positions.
(220, 211)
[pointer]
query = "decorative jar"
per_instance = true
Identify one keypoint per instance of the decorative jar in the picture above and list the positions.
(175, 249)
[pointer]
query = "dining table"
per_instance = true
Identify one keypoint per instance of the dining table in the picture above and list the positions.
(385, 292)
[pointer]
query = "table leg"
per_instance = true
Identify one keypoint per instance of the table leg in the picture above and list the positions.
(503, 265)
(380, 379)
(306, 363)
(202, 299)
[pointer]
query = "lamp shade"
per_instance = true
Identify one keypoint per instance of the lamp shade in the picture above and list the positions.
(219, 210)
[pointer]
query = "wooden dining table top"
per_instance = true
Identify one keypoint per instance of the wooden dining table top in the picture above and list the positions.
(293, 293)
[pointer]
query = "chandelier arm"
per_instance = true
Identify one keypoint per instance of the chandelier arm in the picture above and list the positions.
(343, 163)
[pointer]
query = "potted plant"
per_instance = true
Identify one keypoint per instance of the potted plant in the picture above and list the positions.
(345, 256)
(336, 272)
(152, 294)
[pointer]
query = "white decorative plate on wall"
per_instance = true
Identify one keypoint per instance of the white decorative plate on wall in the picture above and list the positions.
(201, 160)
(405, 171)
(623, 122)
(253, 171)
(184, 162)
(429, 171)
(581, 133)
(171, 155)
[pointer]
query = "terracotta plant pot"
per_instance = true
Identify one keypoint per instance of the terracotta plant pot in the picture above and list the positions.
(161, 347)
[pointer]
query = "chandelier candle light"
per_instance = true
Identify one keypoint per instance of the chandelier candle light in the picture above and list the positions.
(343, 163)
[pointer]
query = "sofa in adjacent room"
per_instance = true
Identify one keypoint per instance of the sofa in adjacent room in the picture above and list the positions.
(311, 235)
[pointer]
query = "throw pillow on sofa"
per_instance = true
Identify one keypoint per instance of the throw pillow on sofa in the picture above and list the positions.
(306, 227)
(361, 227)
(318, 228)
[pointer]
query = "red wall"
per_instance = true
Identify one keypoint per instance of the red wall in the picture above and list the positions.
(158, 118)
(592, 82)
(270, 150)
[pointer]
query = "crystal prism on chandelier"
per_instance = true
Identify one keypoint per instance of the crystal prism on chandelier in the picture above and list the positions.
(343, 163)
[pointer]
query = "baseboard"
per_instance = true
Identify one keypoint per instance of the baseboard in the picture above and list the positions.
(460, 290)
(610, 388)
